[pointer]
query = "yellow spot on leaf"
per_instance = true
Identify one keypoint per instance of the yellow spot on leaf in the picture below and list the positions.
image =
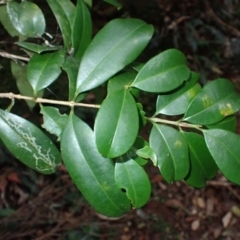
(207, 101)
(178, 143)
(226, 109)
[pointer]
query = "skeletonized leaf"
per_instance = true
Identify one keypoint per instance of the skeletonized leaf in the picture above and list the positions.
(63, 11)
(147, 152)
(115, 134)
(92, 174)
(224, 147)
(113, 47)
(163, 73)
(54, 122)
(177, 101)
(44, 69)
(216, 101)
(172, 152)
(28, 143)
(202, 165)
(27, 18)
(82, 29)
(20, 74)
(132, 178)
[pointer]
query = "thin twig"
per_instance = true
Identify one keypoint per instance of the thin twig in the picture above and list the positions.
(176, 123)
(44, 100)
(12, 56)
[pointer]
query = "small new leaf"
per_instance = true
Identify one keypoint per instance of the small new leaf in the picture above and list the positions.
(54, 122)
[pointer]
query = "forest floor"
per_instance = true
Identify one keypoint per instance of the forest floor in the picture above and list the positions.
(50, 207)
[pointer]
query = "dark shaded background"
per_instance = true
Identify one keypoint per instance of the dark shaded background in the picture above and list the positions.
(33, 206)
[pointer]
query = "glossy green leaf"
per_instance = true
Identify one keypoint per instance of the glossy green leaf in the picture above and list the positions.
(177, 101)
(28, 143)
(44, 69)
(163, 73)
(82, 29)
(224, 147)
(71, 66)
(216, 101)
(114, 47)
(115, 134)
(54, 122)
(120, 81)
(229, 123)
(7, 24)
(133, 179)
(202, 165)
(27, 18)
(19, 72)
(37, 48)
(92, 174)
(114, 3)
(63, 11)
(147, 152)
(172, 152)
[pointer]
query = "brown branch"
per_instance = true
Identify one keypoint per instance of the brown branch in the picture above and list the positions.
(12, 56)
(212, 15)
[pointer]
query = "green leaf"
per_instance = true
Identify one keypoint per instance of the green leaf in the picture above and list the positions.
(28, 143)
(132, 178)
(172, 152)
(115, 134)
(7, 24)
(54, 122)
(71, 66)
(82, 29)
(147, 152)
(37, 48)
(163, 73)
(92, 174)
(216, 101)
(88, 2)
(27, 18)
(63, 11)
(114, 3)
(44, 69)
(202, 165)
(224, 147)
(19, 72)
(120, 81)
(177, 101)
(229, 124)
(142, 114)
(114, 47)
